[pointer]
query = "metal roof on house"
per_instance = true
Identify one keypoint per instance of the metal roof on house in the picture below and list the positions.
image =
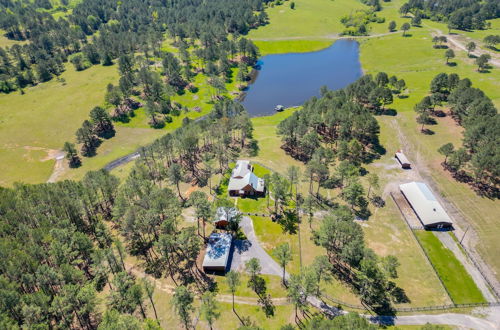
(424, 203)
(241, 169)
(218, 247)
(225, 213)
(249, 179)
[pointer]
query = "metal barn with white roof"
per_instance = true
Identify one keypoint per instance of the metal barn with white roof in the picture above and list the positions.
(217, 253)
(427, 208)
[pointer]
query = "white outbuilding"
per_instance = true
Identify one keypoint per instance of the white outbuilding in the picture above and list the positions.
(426, 206)
(402, 159)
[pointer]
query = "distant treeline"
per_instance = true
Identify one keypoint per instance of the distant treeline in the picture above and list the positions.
(459, 14)
(123, 28)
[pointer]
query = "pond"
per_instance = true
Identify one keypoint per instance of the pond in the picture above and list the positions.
(291, 79)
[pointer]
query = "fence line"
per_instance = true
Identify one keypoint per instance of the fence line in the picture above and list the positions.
(478, 266)
(414, 309)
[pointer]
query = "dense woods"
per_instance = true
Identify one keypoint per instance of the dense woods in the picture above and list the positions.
(459, 14)
(100, 31)
(477, 160)
(57, 254)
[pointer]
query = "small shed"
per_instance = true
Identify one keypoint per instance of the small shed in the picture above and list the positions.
(217, 253)
(403, 160)
(425, 205)
(224, 215)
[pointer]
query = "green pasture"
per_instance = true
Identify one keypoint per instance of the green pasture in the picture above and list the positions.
(309, 20)
(44, 118)
(387, 234)
(459, 283)
(6, 42)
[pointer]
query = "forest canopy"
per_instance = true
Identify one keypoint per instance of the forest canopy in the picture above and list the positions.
(460, 14)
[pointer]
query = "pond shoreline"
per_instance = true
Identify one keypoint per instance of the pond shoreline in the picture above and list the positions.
(291, 79)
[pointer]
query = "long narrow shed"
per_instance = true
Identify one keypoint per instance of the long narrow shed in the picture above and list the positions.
(427, 208)
(402, 159)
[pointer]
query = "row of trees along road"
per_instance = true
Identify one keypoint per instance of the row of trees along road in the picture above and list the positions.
(98, 31)
(477, 161)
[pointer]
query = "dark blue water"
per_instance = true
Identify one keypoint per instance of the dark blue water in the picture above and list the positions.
(291, 79)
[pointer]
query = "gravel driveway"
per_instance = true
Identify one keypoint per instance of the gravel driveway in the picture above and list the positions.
(243, 250)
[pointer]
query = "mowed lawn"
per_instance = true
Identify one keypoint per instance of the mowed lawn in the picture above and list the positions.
(311, 26)
(270, 152)
(33, 124)
(459, 283)
(291, 46)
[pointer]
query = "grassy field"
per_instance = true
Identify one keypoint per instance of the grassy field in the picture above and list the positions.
(309, 20)
(6, 42)
(387, 234)
(459, 283)
(270, 153)
(291, 46)
(34, 124)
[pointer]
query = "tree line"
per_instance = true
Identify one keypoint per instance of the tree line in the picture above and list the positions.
(458, 14)
(477, 160)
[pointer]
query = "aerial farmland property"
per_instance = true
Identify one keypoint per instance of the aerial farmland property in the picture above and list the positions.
(237, 164)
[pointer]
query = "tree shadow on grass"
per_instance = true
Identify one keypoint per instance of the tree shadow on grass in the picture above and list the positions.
(427, 131)
(390, 112)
